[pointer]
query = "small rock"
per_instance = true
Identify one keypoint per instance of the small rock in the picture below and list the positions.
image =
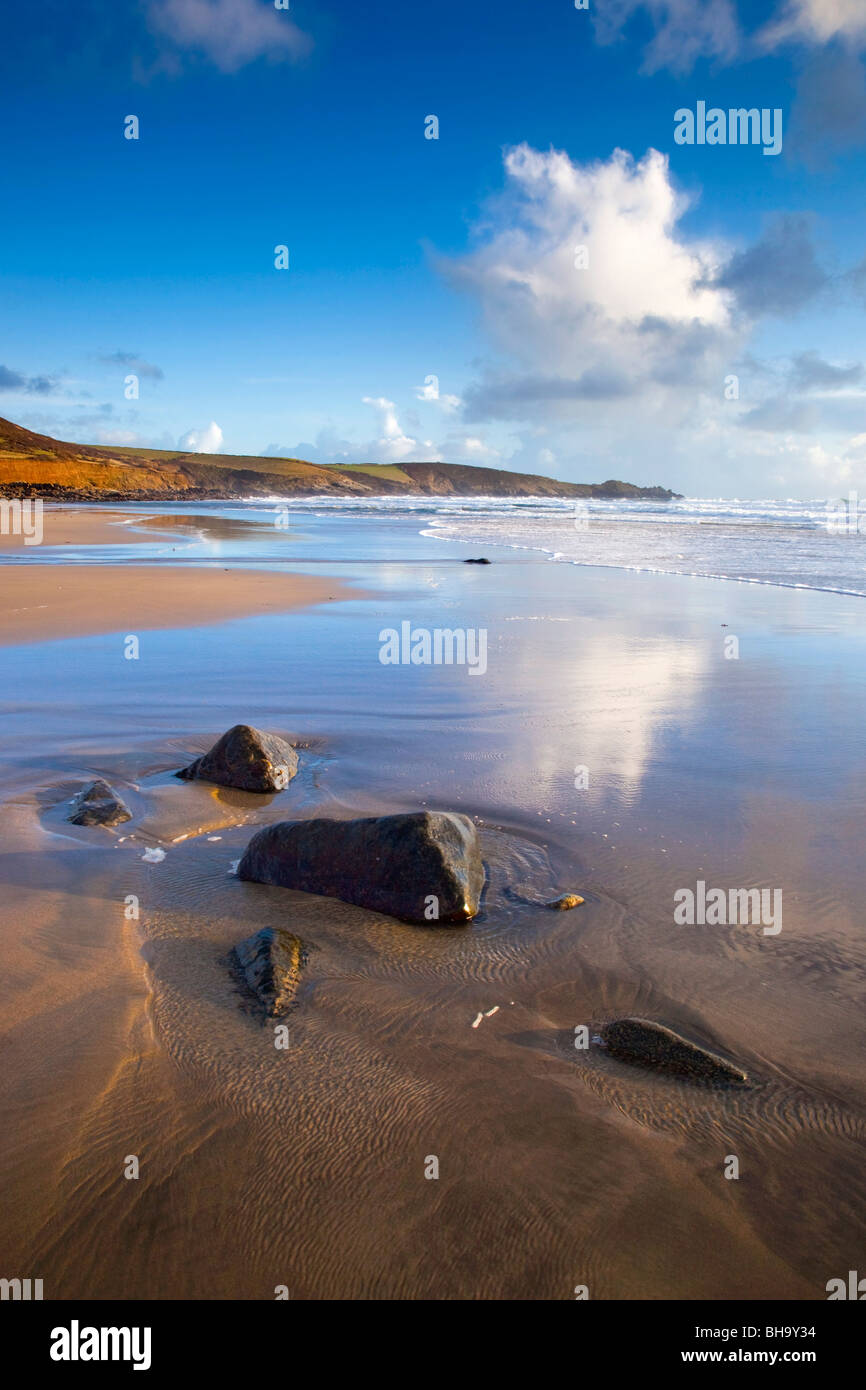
(409, 866)
(98, 805)
(246, 759)
(268, 965)
(656, 1046)
(568, 900)
(480, 561)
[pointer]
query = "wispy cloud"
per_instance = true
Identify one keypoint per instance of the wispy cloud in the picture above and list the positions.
(29, 385)
(135, 363)
(684, 30)
(228, 33)
(816, 22)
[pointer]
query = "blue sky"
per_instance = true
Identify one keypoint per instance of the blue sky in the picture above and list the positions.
(433, 306)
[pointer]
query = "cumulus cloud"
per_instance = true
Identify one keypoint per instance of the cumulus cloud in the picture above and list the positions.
(683, 30)
(135, 363)
(614, 333)
(584, 279)
(11, 380)
(206, 441)
(229, 33)
(393, 446)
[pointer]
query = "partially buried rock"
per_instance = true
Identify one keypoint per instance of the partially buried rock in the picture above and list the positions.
(423, 867)
(568, 900)
(98, 805)
(246, 759)
(653, 1045)
(480, 561)
(269, 965)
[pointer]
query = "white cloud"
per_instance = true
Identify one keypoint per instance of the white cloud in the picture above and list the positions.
(817, 21)
(229, 33)
(430, 392)
(644, 311)
(617, 364)
(206, 441)
(393, 446)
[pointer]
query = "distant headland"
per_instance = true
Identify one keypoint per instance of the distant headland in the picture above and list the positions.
(35, 465)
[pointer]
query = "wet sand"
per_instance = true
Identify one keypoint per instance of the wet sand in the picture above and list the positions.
(306, 1167)
(43, 602)
(74, 526)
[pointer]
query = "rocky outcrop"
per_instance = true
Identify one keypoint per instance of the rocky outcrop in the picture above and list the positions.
(648, 1044)
(423, 867)
(268, 966)
(246, 759)
(98, 805)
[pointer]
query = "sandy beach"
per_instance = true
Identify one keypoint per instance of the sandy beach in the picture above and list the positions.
(44, 602)
(125, 1035)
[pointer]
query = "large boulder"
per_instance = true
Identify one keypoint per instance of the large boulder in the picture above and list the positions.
(98, 805)
(247, 759)
(424, 866)
(656, 1046)
(268, 965)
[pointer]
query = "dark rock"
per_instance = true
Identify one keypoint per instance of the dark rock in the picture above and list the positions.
(653, 1045)
(480, 561)
(98, 805)
(247, 759)
(391, 864)
(568, 900)
(268, 965)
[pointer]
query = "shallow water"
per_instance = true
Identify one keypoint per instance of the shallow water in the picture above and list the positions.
(557, 1167)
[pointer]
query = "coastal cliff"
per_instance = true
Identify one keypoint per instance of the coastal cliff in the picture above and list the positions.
(35, 465)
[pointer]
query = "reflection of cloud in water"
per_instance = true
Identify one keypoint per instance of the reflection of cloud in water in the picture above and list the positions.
(620, 692)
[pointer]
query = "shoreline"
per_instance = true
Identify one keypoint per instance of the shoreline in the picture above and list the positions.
(288, 1166)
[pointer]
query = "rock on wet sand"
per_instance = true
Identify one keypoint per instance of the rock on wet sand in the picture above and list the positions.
(268, 965)
(98, 804)
(423, 867)
(247, 759)
(649, 1044)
